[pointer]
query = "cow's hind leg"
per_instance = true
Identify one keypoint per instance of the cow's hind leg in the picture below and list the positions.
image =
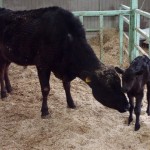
(3, 90)
(148, 99)
(44, 75)
(6, 77)
(131, 101)
(137, 110)
(68, 94)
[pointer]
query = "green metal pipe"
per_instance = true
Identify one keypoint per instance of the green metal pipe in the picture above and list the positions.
(101, 22)
(1, 3)
(137, 35)
(81, 19)
(121, 38)
(132, 33)
(104, 13)
(143, 13)
(126, 20)
(149, 40)
(125, 7)
(142, 33)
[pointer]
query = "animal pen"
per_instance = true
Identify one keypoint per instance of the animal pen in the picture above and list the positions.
(89, 127)
(134, 15)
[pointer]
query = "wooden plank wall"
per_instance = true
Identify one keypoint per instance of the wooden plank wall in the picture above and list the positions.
(75, 5)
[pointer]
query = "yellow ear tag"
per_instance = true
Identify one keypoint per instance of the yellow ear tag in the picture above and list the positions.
(87, 80)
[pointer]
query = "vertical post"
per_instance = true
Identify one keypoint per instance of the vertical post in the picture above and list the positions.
(81, 19)
(137, 35)
(1, 3)
(101, 35)
(121, 38)
(132, 33)
(149, 38)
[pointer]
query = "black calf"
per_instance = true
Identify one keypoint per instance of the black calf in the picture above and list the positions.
(133, 80)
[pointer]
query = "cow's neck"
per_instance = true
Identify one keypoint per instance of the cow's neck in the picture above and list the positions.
(84, 59)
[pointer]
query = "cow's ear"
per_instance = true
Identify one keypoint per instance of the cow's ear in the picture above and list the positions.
(139, 72)
(119, 70)
(88, 80)
(86, 76)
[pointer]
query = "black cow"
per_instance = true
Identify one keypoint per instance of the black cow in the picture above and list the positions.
(133, 80)
(53, 40)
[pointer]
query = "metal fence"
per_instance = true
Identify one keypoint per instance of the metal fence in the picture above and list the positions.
(135, 30)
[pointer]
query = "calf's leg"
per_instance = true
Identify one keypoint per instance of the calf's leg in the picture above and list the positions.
(137, 110)
(131, 101)
(44, 76)
(70, 102)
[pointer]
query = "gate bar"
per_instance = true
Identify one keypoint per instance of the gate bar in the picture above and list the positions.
(1, 3)
(143, 13)
(121, 23)
(126, 20)
(104, 13)
(125, 7)
(101, 23)
(133, 52)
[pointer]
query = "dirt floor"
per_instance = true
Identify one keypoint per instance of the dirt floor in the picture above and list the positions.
(90, 126)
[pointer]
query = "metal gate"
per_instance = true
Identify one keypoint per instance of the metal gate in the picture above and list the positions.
(134, 27)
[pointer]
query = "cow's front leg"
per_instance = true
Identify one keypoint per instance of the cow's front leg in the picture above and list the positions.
(131, 102)
(137, 110)
(6, 77)
(44, 75)
(68, 94)
(148, 99)
(3, 90)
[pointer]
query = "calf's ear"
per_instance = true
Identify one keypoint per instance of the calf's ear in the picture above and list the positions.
(119, 70)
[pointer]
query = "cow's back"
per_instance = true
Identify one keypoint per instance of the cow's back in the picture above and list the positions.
(49, 37)
(37, 32)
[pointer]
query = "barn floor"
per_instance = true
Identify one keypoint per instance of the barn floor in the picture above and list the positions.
(90, 126)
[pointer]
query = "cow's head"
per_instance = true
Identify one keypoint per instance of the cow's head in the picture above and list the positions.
(106, 88)
(128, 77)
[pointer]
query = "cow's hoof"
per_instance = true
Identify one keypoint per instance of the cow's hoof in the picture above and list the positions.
(137, 127)
(9, 90)
(73, 106)
(45, 115)
(3, 94)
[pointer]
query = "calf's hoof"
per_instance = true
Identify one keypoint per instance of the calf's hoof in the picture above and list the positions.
(148, 113)
(137, 127)
(130, 120)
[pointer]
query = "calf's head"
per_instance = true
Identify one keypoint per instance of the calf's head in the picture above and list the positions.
(129, 77)
(106, 88)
